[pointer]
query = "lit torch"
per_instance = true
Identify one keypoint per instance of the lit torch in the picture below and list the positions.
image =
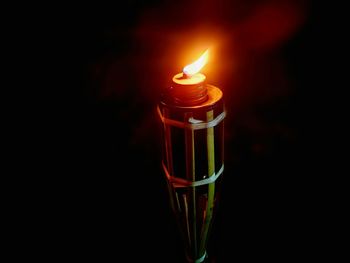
(192, 114)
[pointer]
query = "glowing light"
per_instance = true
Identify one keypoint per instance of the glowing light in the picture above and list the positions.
(196, 66)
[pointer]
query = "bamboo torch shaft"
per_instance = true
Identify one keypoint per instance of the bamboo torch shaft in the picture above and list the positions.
(211, 186)
(191, 175)
(169, 158)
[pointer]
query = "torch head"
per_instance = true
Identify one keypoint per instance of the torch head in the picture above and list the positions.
(189, 87)
(188, 91)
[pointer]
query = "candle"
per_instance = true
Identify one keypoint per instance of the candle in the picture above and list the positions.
(192, 114)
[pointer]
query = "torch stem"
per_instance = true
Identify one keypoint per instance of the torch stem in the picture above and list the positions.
(169, 157)
(191, 175)
(211, 186)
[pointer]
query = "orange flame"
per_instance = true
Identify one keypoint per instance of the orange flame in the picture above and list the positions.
(196, 66)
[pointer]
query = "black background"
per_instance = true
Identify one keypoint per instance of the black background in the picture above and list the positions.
(111, 200)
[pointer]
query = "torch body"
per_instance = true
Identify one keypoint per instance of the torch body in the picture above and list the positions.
(193, 162)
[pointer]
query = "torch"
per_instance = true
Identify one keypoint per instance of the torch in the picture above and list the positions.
(192, 114)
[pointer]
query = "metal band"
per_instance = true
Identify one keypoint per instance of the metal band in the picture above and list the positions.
(179, 182)
(192, 124)
(198, 260)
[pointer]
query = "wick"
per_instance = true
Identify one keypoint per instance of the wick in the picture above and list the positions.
(185, 76)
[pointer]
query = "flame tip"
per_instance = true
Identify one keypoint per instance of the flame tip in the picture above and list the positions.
(196, 66)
